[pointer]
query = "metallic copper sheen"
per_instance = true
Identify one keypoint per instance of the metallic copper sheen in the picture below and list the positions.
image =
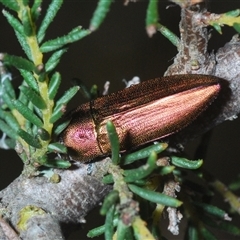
(141, 113)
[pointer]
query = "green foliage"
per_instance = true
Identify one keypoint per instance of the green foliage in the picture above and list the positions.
(29, 79)
(13, 5)
(139, 185)
(67, 96)
(54, 84)
(75, 35)
(30, 118)
(4, 127)
(56, 163)
(231, 19)
(144, 153)
(8, 87)
(57, 147)
(19, 31)
(100, 230)
(173, 38)
(109, 200)
(26, 21)
(185, 163)
(54, 60)
(120, 201)
(124, 231)
(155, 197)
(28, 138)
(109, 228)
(152, 17)
(59, 128)
(43, 134)
(113, 138)
(18, 62)
(53, 8)
(27, 113)
(100, 14)
(59, 109)
(132, 175)
(33, 97)
(36, 10)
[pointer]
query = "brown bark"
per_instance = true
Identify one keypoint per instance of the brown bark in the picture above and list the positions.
(66, 202)
(193, 58)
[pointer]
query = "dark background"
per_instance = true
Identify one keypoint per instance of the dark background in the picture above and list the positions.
(121, 49)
